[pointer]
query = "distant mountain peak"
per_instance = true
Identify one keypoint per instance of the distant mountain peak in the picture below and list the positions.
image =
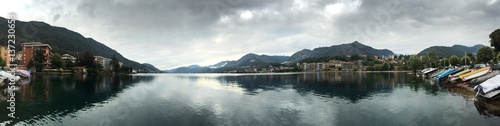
(338, 50)
(356, 43)
(447, 51)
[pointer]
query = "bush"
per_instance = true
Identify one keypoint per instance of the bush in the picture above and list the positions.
(369, 68)
(378, 67)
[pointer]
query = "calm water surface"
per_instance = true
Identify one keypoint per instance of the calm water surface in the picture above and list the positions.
(334, 98)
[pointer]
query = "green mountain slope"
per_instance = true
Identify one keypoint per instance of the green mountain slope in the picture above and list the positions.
(446, 51)
(338, 50)
(64, 41)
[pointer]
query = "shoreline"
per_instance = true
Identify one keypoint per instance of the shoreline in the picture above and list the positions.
(301, 72)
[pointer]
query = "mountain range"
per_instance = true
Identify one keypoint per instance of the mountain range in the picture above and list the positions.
(250, 60)
(261, 61)
(446, 51)
(64, 41)
(338, 50)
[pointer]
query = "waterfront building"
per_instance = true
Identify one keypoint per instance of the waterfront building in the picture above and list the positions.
(28, 51)
(104, 62)
(4, 54)
(68, 57)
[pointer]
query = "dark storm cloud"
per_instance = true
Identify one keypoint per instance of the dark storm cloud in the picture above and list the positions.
(166, 13)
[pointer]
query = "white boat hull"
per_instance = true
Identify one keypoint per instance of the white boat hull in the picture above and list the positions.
(475, 75)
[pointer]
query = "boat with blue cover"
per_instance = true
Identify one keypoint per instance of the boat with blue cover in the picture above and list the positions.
(444, 75)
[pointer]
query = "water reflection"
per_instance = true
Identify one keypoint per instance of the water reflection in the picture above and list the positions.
(484, 107)
(349, 85)
(63, 95)
(488, 109)
(329, 98)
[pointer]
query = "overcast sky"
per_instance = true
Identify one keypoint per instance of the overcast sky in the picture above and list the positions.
(173, 33)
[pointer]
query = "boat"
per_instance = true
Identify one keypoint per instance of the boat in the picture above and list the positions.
(495, 67)
(458, 70)
(24, 81)
(461, 72)
(474, 74)
(490, 88)
(444, 75)
(455, 77)
(437, 73)
(424, 70)
(8, 77)
(481, 79)
(23, 73)
(428, 71)
(477, 66)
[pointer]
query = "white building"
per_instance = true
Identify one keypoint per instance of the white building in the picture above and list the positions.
(68, 57)
(104, 62)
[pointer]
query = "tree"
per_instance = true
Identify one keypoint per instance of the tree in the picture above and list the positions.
(88, 60)
(472, 57)
(69, 64)
(38, 66)
(495, 40)
(57, 61)
(116, 65)
(385, 67)
(378, 67)
(39, 57)
(3, 62)
(414, 63)
(38, 60)
(454, 61)
(31, 63)
(357, 57)
(466, 60)
(444, 62)
(485, 54)
(498, 57)
(431, 58)
(369, 68)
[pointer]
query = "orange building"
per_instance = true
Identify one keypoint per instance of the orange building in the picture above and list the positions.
(4, 54)
(28, 52)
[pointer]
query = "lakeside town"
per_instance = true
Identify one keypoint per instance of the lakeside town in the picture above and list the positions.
(39, 58)
(360, 62)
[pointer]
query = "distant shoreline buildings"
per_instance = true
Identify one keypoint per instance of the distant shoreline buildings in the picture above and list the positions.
(28, 52)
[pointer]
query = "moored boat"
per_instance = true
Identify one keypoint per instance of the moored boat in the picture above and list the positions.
(23, 73)
(474, 74)
(7, 77)
(424, 70)
(481, 79)
(489, 88)
(455, 77)
(461, 72)
(458, 70)
(430, 71)
(437, 73)
(444, 75)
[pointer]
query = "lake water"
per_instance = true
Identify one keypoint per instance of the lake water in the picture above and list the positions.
(329, 98)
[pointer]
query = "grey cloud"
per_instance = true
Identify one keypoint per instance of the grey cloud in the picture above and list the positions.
(56, 17)
(182, 32)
